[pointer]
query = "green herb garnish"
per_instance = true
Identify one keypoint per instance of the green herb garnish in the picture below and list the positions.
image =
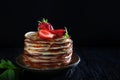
(8, 74)
(9, 70)
(6, 64)
(66, 34)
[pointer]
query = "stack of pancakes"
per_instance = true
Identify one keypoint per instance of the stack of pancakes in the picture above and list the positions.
(39, 53)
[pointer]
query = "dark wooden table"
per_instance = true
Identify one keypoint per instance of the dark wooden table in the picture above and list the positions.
(97, 63)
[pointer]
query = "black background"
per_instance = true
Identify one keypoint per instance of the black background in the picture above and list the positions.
(89, 22)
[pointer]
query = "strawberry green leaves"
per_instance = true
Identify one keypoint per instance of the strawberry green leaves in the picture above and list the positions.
(9, 70)
(45, 20)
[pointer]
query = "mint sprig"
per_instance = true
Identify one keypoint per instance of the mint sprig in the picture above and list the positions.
(6, 64)
(66, 34)
(9, 72)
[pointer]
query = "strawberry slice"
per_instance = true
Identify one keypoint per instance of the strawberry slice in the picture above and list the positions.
(58, 32)
(45, 34)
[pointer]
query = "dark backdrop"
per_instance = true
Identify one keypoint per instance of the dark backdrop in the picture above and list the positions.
(88, 22)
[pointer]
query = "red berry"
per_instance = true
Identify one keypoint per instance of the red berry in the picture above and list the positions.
(45, 34)
(58, 32)
(45, 25)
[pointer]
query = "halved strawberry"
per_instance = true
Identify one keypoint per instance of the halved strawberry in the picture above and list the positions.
(45, 34)
(58, 32)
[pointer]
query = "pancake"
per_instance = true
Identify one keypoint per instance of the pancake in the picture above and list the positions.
(47, 48)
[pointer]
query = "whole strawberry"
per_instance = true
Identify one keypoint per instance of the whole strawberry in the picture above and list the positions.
(45, 25)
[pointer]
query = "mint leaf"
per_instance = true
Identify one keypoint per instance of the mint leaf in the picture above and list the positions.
(11, 74)
(66, 34)
(9, 70)
(7, 64)
(3, 64)
(8, 74)
(3, 75)
(66, 30)
(11, 65)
